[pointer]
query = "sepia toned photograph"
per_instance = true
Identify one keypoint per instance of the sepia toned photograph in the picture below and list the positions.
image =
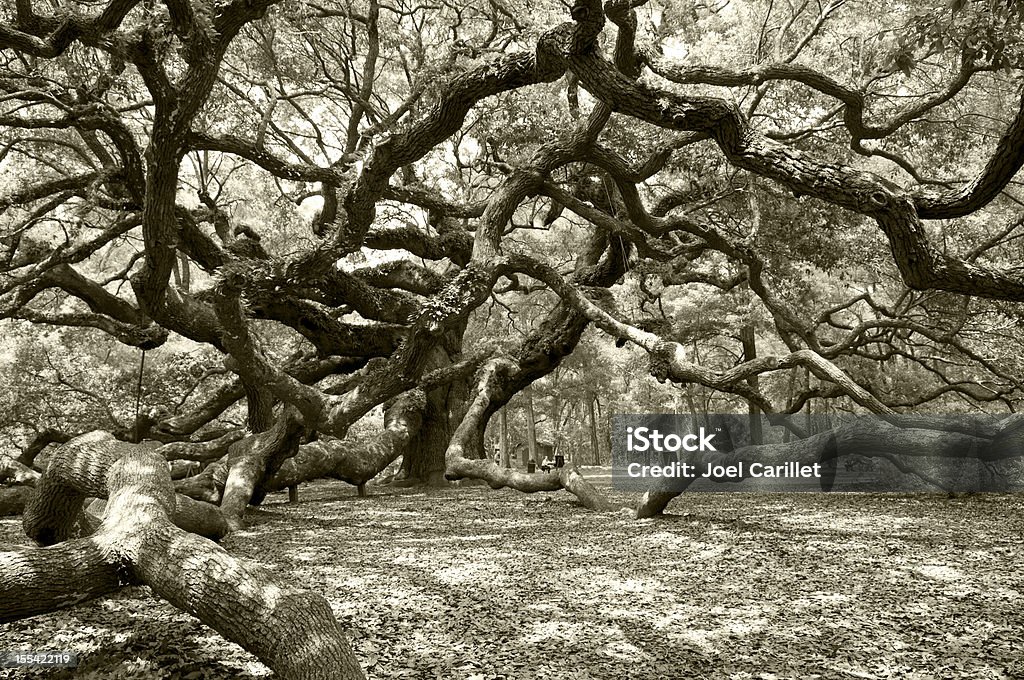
(511, 339)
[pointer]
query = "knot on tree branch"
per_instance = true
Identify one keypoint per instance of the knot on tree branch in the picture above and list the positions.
(551, 46)
(660, 361)
(589, 18)
(620, 13)
(879, 199)
(151, 337)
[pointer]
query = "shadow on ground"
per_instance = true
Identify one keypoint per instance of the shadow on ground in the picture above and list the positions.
(475, 584)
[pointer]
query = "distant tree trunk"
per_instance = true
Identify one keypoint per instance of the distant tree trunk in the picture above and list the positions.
(809, 417)
(605, 432)
(556, 423)
(531, 427)
(182, 272)
(747, 336)
(138, 543)
(787, 434)
(695, 413)
(503, 434)
(749, 343)
(594, 449)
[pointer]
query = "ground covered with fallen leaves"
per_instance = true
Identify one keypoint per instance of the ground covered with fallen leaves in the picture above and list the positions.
(475, 584)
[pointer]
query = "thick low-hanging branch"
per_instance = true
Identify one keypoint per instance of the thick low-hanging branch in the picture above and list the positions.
(463, 458)
(355, 462)
(293, 631)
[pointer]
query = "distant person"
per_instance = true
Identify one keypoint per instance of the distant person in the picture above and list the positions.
(547, 463)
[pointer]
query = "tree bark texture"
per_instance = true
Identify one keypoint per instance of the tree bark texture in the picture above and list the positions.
(355, 464)
(423, 460)
(55, 511)
(252, 458)
(293, 631)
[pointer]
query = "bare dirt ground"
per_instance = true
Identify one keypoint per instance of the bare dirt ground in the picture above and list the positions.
(475, 584)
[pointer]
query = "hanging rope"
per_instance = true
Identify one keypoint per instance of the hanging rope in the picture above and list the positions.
(138, 398)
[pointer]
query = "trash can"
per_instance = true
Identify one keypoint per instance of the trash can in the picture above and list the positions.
(559, 460)
(531, 466)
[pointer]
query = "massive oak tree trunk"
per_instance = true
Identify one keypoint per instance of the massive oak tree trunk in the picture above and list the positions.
(293, 631)
(423, 461)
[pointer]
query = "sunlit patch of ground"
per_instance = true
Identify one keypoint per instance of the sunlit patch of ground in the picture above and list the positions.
(470, 583)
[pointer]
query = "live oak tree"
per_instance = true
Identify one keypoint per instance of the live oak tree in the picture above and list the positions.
(352, 204)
